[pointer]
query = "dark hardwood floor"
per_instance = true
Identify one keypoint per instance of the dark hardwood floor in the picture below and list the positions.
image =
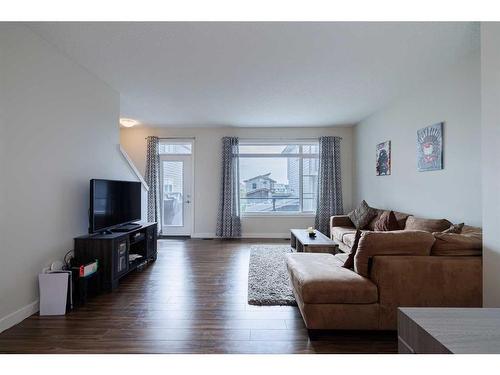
(195, 301)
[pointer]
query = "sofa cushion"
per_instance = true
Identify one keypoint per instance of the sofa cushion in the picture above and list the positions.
(427, 225)
(349, 262)
(455, 228)
(317, 278)
(340, 258)
(468, 229)
(400, 217)
(398, 242)
(362, 215)
(338, 233)
(349, 239)
(371, 224)
(387, 222)
(467, 243)
(342, 247)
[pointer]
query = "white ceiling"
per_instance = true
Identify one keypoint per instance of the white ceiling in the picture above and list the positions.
(260, 74)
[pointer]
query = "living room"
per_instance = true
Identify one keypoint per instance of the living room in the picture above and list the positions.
(295, 187)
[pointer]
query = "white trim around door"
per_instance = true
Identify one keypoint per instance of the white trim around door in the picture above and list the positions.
(177, 187)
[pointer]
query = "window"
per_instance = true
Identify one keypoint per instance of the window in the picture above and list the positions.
(176, 148)
(173, 173)
(278, 178)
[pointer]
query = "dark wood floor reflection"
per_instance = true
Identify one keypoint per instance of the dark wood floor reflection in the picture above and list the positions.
(191, 300)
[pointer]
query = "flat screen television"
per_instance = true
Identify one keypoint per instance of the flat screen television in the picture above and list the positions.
(113, 203)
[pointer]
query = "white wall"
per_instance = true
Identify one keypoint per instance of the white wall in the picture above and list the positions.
(60, 131)
(3, 172)
(490, 80)
(208, 170)
(455, 191)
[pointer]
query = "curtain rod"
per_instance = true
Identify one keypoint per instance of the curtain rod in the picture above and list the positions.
(279, 138)
(174, 138)
(272, 139)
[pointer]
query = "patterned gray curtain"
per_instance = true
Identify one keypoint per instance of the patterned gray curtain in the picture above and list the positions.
(153, 179)
(228, 218)
(329, 183)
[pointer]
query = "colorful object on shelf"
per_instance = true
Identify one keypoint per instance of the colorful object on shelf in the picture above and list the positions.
(88, 269)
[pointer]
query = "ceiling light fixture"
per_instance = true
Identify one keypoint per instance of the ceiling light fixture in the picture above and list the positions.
(128, 122)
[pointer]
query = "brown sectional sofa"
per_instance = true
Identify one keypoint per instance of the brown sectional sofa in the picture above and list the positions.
(391, 269)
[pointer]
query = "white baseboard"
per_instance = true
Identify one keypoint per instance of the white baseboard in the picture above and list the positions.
(203, 235)
(18, 316)
(265, 235)
(245, 235)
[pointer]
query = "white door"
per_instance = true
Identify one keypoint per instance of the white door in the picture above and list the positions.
(176, 184)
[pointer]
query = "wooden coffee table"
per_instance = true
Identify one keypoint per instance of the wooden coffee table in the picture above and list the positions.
(300, 241)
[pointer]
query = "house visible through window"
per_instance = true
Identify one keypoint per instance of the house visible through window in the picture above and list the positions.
(175, 148)
(278, 178)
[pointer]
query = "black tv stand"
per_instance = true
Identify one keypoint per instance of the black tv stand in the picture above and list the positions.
(126, 227)
(118, 253)
(107, 231)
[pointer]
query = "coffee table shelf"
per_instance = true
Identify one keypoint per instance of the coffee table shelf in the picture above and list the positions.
(301, 242)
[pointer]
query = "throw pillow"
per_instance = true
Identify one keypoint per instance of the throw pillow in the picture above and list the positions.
(455, 228)
(349, 262)
(387, 222)
(362, 215)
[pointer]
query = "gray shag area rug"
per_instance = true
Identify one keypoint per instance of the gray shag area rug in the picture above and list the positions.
(268, 280)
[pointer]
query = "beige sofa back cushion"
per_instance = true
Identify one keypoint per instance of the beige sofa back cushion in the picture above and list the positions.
(467, 243)
(397, 242)
(428, 225)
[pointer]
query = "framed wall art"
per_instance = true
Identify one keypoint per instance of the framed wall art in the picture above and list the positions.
(430, 148)
(383, 167)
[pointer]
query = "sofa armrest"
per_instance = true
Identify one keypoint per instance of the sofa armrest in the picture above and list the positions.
(398, 242)
(425, 281)
(341, 221)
